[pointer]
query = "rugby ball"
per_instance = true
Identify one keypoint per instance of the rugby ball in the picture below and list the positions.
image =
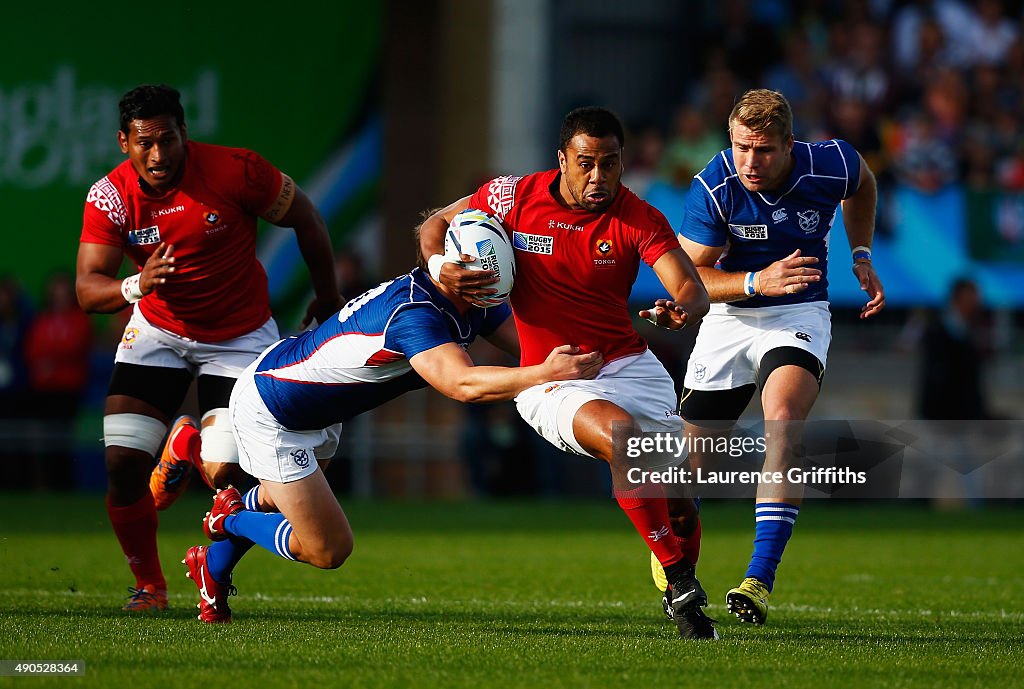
(481, 235)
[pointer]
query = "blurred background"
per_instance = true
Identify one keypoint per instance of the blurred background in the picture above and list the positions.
(383, 110)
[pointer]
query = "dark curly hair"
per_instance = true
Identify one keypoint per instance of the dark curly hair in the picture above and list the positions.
(150, 100)
(590, 120)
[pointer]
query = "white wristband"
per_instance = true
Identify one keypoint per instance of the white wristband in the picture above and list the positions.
(434, 264)
(130, 288)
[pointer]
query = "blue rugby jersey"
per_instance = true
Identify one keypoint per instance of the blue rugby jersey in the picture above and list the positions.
(359, 359)
(759, 228)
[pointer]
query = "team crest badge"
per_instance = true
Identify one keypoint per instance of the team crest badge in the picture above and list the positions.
(211, 218)
(129, 337)
(300, 457)
(603, 257)
(808, 220)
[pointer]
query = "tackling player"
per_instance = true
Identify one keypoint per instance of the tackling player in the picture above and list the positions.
(288, 407)
(757, 226)
(579, 236)
(185, 213)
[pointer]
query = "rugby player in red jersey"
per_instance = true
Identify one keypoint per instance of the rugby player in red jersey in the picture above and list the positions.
(579, 236)
(185, 213)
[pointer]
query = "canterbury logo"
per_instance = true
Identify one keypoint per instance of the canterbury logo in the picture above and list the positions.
(659, 534)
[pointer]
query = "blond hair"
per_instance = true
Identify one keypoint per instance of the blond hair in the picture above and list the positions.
(763, 110)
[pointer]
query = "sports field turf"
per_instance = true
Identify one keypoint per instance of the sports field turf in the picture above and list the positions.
(526, 595)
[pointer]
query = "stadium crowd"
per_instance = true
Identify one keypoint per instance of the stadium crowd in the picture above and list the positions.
(929, 91)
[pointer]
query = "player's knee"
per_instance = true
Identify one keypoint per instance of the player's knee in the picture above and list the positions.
(784, 410)
(217, 440)
(222, 475)
(333, 555)
(126, 465)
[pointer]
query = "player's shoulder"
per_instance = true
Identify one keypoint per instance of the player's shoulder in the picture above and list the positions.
(637, 213)
(107, 197)
(412, 290)
(505, 192)
(826, 157)
(119, 178)
(216, 155)
(717, 173)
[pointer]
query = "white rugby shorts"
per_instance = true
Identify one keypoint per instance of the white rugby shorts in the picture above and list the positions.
(639, 384)
(147, 345)
(266, 449)
(732, 341)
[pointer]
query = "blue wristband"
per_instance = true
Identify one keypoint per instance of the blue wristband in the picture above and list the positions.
(861, 253)
(748, 285)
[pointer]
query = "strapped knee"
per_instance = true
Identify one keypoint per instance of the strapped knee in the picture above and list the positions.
(134, 431)
(218, 442)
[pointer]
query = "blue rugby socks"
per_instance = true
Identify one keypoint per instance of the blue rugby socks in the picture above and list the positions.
(773, 525)
(270, 530)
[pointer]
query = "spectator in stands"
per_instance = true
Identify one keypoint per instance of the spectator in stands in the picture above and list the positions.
(57, 348)
(954, 350)
(15, 314)
(692, 145)
(992, 34)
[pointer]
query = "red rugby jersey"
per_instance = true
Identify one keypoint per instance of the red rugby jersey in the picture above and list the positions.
(574, 268)
(218, 289)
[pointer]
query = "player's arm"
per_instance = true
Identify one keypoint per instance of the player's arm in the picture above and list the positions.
(471, 284)
(294, 209)
(859, 219)
(689, 301)
(506, 338)
(449, 369)
(96, 283)
(788, 275)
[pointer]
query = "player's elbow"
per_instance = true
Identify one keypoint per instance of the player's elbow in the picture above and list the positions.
(465, 392)
(87, 299)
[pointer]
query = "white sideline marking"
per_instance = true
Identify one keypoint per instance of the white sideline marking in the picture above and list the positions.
(481, 602)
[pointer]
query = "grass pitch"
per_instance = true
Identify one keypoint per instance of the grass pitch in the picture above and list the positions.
(526, 595)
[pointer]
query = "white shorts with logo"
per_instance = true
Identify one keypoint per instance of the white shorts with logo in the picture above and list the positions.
(639, 384)
(732, 341)
(147, 345)
(266, 449)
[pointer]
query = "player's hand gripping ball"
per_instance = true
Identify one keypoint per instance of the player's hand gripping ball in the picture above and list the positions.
(481, 235)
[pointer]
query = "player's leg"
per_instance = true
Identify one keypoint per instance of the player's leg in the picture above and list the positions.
(286, 463)
(588, 418)
(790, 380)
(709, 416)
(210, 445)
(216, 451)
(593, 427)
(311, 527)
(791, 360)
(139, 404)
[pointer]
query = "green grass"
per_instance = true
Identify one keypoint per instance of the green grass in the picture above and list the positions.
(526, 595)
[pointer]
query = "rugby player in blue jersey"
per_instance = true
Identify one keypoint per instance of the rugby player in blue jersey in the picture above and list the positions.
(288, 406)
(757, 227)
